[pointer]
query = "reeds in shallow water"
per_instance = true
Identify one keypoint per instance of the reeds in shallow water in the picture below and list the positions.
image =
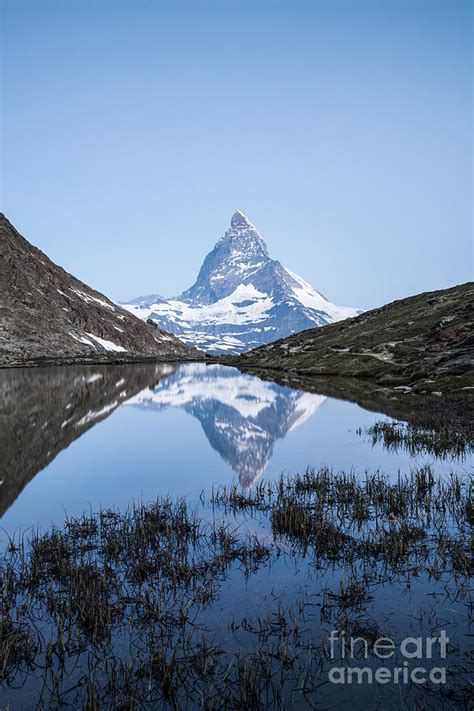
(125, 610)
(439, 440)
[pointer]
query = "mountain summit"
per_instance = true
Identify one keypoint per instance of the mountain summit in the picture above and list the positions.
(239, 220)
(233, 261)
(242, 298)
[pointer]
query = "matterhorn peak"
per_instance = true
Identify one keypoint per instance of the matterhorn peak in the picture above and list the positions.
(241, 299)
(239, 220)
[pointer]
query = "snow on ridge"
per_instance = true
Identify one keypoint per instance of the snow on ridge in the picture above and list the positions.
(97, 341)
(81, 339)
(225, 311)
(88, 298)
(312, 299)
(108, 345)
(240, 220)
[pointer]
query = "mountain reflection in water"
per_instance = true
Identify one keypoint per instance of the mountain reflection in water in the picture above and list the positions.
(44, 410)
(241, 415)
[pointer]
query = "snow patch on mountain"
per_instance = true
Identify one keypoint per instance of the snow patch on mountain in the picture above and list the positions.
(312, 299)
(108, 345)
(245, 305)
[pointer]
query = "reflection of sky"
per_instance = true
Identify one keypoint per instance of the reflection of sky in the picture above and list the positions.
(138, 454)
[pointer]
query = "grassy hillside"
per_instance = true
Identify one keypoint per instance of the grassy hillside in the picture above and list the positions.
(422, 344)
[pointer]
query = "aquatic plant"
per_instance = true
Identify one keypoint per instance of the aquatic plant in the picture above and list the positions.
(439, 440)
(121, 610)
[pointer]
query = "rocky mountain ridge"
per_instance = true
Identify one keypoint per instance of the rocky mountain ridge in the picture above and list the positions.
(48, 316)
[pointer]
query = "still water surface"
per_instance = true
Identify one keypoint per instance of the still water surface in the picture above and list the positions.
(77, 438)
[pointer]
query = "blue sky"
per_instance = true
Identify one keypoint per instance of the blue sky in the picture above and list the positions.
(131, 131)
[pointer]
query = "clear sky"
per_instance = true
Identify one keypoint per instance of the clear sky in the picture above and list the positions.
(131, 131)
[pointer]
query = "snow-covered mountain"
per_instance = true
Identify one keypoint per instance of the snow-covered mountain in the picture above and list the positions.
(242, 298)
(241, 415)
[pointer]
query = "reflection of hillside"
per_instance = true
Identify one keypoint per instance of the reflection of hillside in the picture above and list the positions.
(242, 416)
(426, 410)
(43, 410)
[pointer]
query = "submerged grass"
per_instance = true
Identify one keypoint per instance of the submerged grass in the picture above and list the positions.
(439, 440)
(339, 516)
(117, 610)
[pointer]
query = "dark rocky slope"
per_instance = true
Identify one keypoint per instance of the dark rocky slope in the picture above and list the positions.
(419, 346)
(49, 316)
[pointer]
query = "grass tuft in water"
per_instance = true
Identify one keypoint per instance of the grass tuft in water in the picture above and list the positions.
(438, 440)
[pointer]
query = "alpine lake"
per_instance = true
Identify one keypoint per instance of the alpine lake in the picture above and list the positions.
(189, 536)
